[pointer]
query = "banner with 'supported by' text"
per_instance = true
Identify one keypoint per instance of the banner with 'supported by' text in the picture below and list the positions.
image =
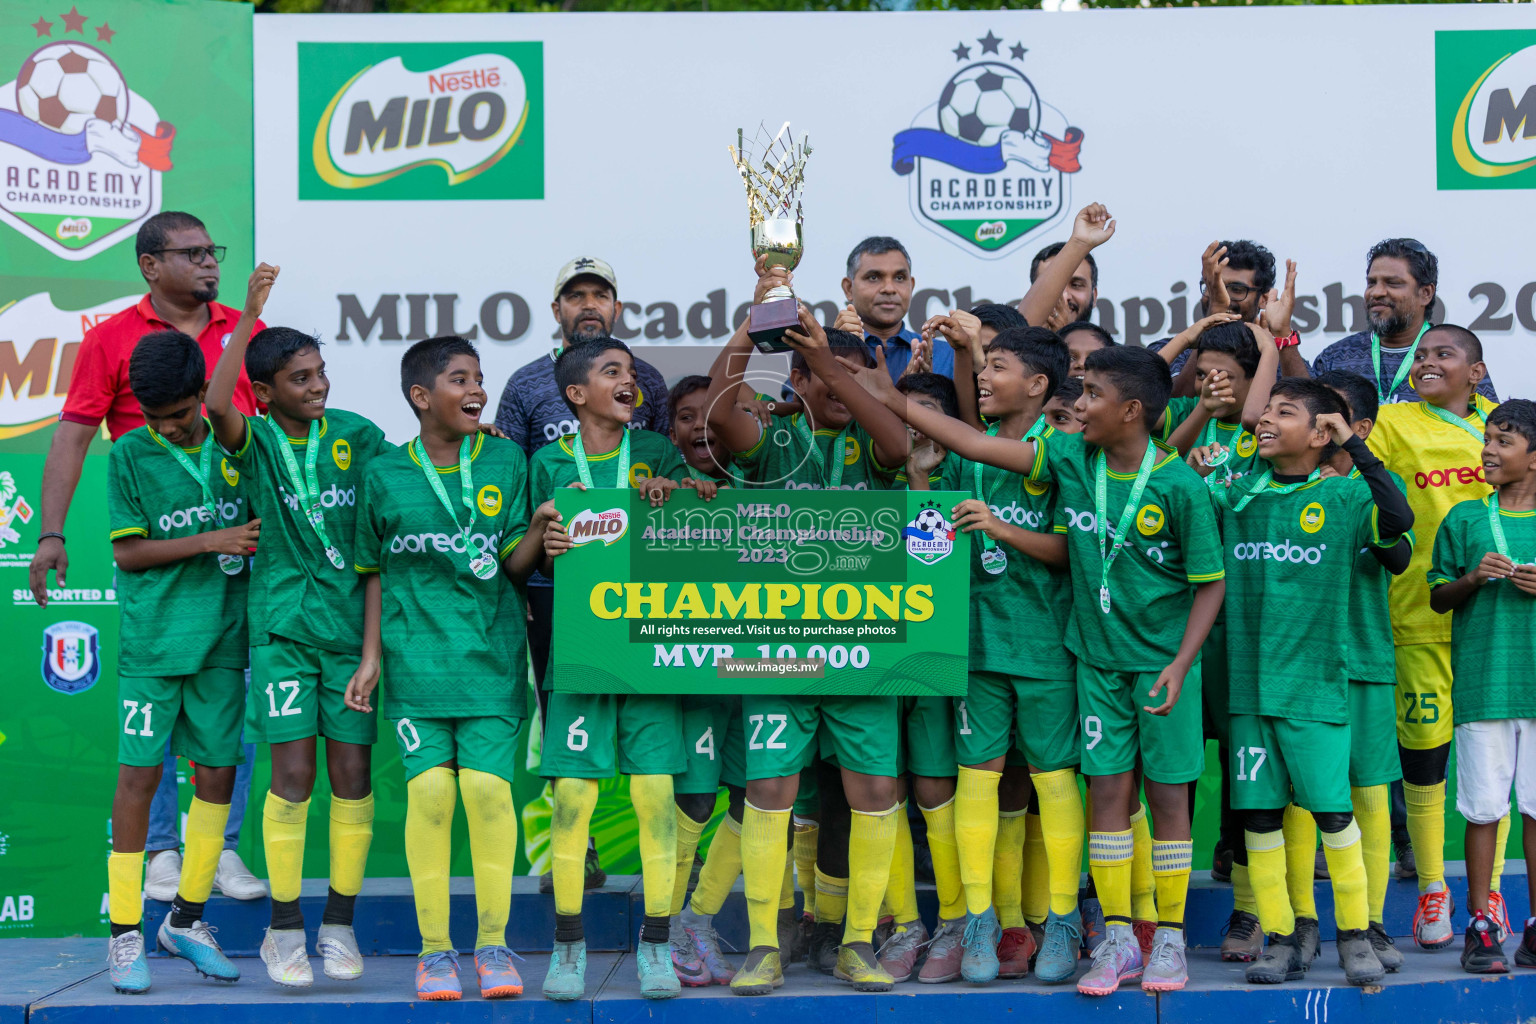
(789, 592)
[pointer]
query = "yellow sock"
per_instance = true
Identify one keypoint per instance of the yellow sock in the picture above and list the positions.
(976, 834)
(1170, 868)
(429, 802)
(1035, 885)
(1266, 869)
(1426, 827)
(722, 866)
(201, 848)
(1109, 861)
(787, 888)
(805, 863)
(1373, 815)
(1062, 825)
(901, 891)
(1144, 886)
(1008, 869)
(1346, 868)
(871, 840)
(351, 835)
(1300, 831)
(656, 817)
(492, 848)
(282, 837)
(946, 860)
(1499, 844)
(125, 887)
(831, 898)
(569, 824)
(688, 833)
(1242, 890)
(763, 836)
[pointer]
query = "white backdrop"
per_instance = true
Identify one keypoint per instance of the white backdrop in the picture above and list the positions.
(1309, 129)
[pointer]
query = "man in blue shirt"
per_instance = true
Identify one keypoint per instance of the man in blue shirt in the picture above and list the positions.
(879, 287)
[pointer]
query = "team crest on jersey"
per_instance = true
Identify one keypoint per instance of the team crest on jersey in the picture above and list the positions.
(851, 451)
(929, 536)
(1149, 520)
(639, 473)
(341, 453)
(71, 657)
(230, 473)
(1313, 517)
(489, 500)
(1247, 444)
(1036, 488)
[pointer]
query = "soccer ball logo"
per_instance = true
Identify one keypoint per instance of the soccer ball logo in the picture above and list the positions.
(929, 520)
(984, 100)
(64, 85)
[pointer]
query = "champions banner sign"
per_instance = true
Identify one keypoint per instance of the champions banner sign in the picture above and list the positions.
(758, 591)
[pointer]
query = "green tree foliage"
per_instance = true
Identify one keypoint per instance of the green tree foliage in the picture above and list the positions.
(483, 6)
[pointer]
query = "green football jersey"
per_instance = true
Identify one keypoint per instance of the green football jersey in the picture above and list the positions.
(1289, 559)
(1371, 655)
(1019, 616)
(1152, 582)
(650, 455)
(946, 468)
(1243, 447)
(782, 459)
(188, 615)
(454, 644)
(296, 592)
(1492, 670)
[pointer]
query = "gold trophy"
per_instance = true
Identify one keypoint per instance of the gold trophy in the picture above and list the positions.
(774, 177)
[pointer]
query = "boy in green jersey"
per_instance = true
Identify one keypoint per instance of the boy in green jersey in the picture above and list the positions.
(1136, 632)
(591, 736)
(844, 439)
(180, 537)
(1061, 411)
(1290, 534)
(1484, 573)
(305, 463)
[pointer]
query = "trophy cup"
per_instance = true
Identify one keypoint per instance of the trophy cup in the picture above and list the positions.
(773, 176)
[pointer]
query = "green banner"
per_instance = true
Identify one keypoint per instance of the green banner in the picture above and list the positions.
(822, 592)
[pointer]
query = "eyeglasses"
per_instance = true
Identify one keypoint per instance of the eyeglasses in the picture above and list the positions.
(197, 253)
(1236, 290)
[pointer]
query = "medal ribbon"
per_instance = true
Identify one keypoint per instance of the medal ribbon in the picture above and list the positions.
(585, 472)
(1108, 553)
(1034, 432)
(1452, 418)
(837, 453)
(466, 489)
(1500, 542)
(307, 486)
(1402, 370)
(1264, 481)
(199, 473)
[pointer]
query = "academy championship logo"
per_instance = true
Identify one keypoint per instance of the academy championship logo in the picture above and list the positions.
(930, 537)
(421, 121)
(82, 152)
(71, 657)
(988, 163)
(1485, 109)
(38, 344)
(587, 526)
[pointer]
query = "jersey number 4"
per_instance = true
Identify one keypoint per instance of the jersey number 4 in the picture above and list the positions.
(779, 724)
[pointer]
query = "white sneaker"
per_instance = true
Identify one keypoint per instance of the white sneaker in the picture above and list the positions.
(338, 946)
(287, 960)
(163, 876)
(234, 879)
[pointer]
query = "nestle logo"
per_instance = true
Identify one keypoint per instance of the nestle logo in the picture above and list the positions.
(456, 81)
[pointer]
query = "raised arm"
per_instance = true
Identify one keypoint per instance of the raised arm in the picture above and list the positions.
(1263, 377)
(963, 332)
(1092, 228)
(889, 437)
(229, 422)
(739, 429)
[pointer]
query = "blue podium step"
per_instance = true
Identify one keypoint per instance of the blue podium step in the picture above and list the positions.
(31, 969)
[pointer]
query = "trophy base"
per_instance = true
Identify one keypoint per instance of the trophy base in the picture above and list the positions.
(767, 322)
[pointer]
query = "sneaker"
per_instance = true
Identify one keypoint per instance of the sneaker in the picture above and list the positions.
(337, 946)
(1308, 940)
(596, 876)
(1145, 932)
(1015, 953)
(978, 962)
(1280, 961)
(884, 929)
(1320, 865)
(1525, 953)
(1432, 922)
(686, 960)
(234, 879)
(1167, 969)
(802, 941)
(825, 938)
(707, 941)
(162, 875)
(1093, 925)
(1406, 866)
(1244, 940)
(1386, 950)
(1117, 959)
(944, 953)
(126, 965)
(1359, 960)
(567, 977)
(760, 975)
(898, 954)
(856, 964)
(653, 962)
(498, 977)
(1063, 937)
(197, 945)
(284, 952)
(437, 976)
(1221, 861)
(1483, 954)
(1499, 914)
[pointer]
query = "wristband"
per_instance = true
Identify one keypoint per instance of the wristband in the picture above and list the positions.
(1291, 341)
(44, 536)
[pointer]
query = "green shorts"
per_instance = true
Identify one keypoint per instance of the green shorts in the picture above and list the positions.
(713, 744)
(480, 744)
(1278, 761)
(1041, 713)
(1213, 684)
(928, 727)
(600, 735)
(1116, 729)
(299, 691)
(863, 734)
(200, 713)
(808, 797)
(1373, 754)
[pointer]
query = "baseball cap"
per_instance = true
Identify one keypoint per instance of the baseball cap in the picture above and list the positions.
(588, 266)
